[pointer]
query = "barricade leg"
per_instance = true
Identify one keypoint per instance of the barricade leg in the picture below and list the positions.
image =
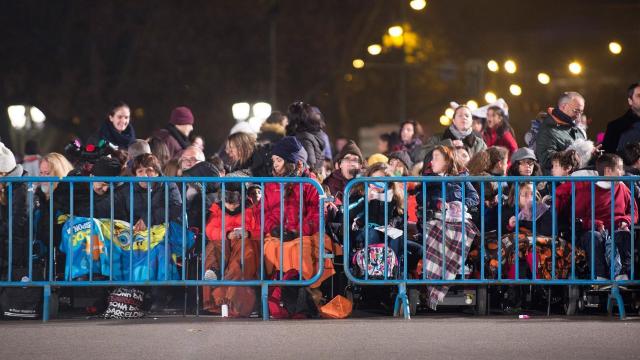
(402, 301)
(617, 297)
(265, 301)
(46, 302)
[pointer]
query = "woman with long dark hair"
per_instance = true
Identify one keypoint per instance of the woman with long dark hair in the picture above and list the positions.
(498, 132)
(117, 128)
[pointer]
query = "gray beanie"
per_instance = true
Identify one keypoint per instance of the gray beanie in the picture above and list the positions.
(7, 160)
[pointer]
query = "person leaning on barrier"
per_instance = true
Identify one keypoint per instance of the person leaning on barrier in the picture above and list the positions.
(607, 165)
(144, 166)
(288, 161)
(19, 214)
(559, 129)
(625, 129)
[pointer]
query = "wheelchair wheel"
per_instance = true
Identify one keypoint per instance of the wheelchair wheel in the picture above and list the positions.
(570, 299)
(481, 300)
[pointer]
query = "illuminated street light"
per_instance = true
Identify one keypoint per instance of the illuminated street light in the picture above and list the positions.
(544, 78)
(449, 113)
(396, 31)
(490, 97)
(615, 48)
(358, 63)
(261, 110)
(472, 105)
(36, 115)
(515, 90)
(445, 120)
(418, 4)
(374, 49)
(493, 66)
(510, 66)
(575, 68)
(241, 111)
(17, 116)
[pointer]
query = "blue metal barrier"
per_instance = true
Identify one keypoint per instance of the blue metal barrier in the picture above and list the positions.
(120, 188)
(431, 219)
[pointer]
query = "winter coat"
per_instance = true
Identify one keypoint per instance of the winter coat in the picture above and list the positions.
(271, 133)
(173, 138)
(619, 132)
(19, 221)
(194, 203)
(411, 149)
(554, 135)
(258, 165)
(121, 140)
(157, 204)
(314, 146)
(232, 221)
(291, 197)
(473, 143)
(82, 198)
(602, 206)
(453, 193)
(336, 183)
(491, 138)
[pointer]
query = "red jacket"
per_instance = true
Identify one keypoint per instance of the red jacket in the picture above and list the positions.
(602, 206)
(291, 197)
(491, 138)
(214, 224)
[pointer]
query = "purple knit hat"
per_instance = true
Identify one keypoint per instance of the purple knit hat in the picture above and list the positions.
(181, 116)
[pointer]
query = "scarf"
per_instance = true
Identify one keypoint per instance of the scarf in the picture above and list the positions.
(460, 135)
(121, 140)
(563, 117)
(180, 138)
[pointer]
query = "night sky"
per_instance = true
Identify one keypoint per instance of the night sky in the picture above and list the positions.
(72, 59)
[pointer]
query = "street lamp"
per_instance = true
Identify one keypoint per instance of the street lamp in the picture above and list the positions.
(374, 49)
(472, 105)
(615, 48)
(490, 97)
(418, 5)
(396, 31)
(445, 120)
(17, 116)
(493, 66)
(358, 63)
(575, 68)
(449, 113)
(241, 111)
(510, 66)
(515, 90)
(544, 78)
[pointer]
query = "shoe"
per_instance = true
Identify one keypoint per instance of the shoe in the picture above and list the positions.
(210, 275)
(622, 277)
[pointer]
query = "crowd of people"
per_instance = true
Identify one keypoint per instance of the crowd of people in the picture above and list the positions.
(294, 144)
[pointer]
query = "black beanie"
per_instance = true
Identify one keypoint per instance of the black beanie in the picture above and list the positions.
(106, 166)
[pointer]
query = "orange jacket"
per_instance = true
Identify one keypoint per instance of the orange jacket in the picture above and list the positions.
(214, 223)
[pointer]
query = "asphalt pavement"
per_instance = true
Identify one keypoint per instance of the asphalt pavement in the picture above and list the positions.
(433, 337)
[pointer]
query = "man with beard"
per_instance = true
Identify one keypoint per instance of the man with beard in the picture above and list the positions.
(347, 165)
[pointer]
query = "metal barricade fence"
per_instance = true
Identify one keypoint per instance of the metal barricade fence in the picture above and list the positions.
(442, 260)
(20, 225)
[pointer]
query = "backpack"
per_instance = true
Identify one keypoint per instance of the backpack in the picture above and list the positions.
(125, 303)
(375, 268)
(290, 302)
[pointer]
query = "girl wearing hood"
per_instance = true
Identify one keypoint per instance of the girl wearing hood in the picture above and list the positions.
(288, 161)
(117, 128)
(237, 265)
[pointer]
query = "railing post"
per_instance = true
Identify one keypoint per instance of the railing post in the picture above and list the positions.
(46, 301)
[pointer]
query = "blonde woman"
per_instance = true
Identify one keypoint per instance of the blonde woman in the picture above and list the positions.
(53, 165)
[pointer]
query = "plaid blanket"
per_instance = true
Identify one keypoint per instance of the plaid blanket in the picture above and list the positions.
(453, 249)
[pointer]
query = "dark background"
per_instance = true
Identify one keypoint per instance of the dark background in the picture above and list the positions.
(72, 59)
